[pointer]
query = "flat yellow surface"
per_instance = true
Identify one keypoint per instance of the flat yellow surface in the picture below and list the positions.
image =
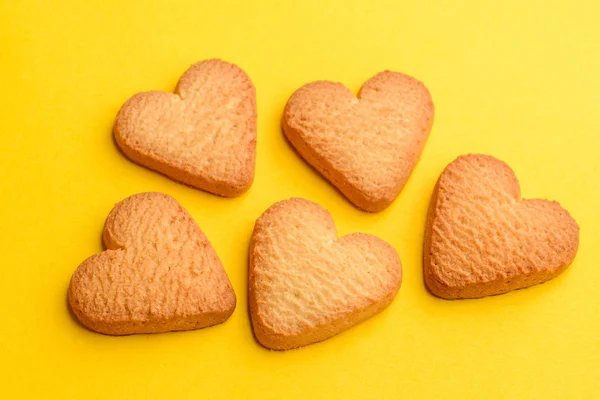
(516, 79)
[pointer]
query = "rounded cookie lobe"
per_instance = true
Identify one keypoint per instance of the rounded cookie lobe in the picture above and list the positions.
(158, 274)
(305, 284)
(204, 135)
(481, 239)
(366, 146)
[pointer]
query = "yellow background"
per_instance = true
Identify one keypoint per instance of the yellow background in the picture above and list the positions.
(516, 79)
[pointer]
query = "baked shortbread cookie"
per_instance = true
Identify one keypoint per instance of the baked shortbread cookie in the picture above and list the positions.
(482, 239)
(367, 146)
(158, 274)
(305, 284)
(204, 135)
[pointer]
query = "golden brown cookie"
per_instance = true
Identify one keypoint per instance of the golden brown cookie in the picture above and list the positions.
(204, 135)
(305, 284)
(482, 239)
(367, 146)
(158, 274)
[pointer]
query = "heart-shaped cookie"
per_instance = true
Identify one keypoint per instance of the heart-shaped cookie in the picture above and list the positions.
(204, 135)
(305, 284)
(367, 146)
(158, 274)
(482, 239)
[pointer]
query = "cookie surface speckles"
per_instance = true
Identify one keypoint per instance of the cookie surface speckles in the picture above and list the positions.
(158, 274)
(482, 239)
(305, 284)
(367, 146)
(204, 135)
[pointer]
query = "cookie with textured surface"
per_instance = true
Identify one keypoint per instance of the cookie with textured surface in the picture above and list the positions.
(482, 239)
(158, 274)
(305, 284)
(366, 146)
(204, 135)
